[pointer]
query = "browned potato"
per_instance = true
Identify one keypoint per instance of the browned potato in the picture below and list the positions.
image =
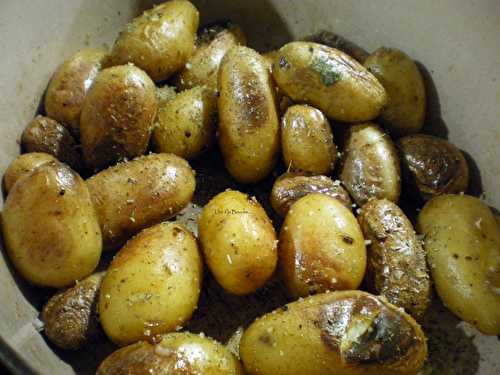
(23, 165)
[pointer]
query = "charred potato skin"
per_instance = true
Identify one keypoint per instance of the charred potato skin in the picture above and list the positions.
(23, 165)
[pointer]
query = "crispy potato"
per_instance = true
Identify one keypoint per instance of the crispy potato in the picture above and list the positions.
(160, 41)
(70, 317)
(134, 195)
(50, 227)
(307, 140)
(321, 247)
(462, 242)
(397, 268)
(370, 168)
(238, 241)
(152, 285)
(329, 80)
(336, 41)
(23, 165)
(348, 333)
(248, 118)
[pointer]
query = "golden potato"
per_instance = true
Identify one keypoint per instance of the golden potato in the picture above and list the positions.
(329, 80)
(238, 241)
(50, 227)
(462, 242)
(134, 195)
(248, 118)
(152, 285)
(344, 333)
(321, 247)
(23, 165)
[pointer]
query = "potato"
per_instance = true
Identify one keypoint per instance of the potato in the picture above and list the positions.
(23, 165)
(284, 102)
(321, 247)
(307, 140)
(329, 80)
(70, 317)
(160, 40)
(238, 241)
(248, 118)
(177, 353)
(290, 187)
(398, 73)
(344, 333)
(462, 242)
(397, 268)
(152, 285)
(370, 168)
(433, 166)
(185, 125)
(46, 135)
(137, 194)
(69, 85)
(50, 227)
(336, 41)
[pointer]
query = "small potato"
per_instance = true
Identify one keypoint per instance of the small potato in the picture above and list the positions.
(329, 80)
(433, 166)
(307, 140)
(397, 268)
(238, 241)
(321, 247)
(134, 195)
(344, 333)
(248, 118)
(50, 227)
(23, 165)
(69, 85)
(177, 353)
(152, 285)
(370, 168)
(70, 317)
(185, 125)
(398, 73)
(462, 242)
(160, 40)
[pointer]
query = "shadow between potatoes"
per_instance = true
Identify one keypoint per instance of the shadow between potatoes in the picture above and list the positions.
(475, 180)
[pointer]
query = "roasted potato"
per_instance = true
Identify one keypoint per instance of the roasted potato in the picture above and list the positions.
(321, 247)
(329, 80)
(70, 317)
(348, 333)
(397, 268)
(50, 227)
(134, 195)
(248, 118)
(160, 41)
(238, 241)
(307, 140)
(462, 242)
(370, 167)
(23, 165)
(152, 285)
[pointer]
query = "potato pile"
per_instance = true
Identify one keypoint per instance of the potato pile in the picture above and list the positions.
(105, 168)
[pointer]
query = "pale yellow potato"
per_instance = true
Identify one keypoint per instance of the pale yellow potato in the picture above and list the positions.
(341, 333)
(462, 242)
(248, 117)
(152, 285)
(50, 227)
(238, 241)
(23, 165)
(321, 247)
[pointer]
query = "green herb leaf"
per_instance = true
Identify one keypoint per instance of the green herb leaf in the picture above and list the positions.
(326, 70)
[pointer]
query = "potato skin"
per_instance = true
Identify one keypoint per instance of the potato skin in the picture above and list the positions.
(330, 333)
(238, 241)
(397, 267)
(50, 227)
(23, 165)
(462, 242)
(160, 40)
(336, 41)
(321, 247)
(134, 195)
(152, 285)
(117, 116)
(248, 118)
(370, 167)
(329, 80)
